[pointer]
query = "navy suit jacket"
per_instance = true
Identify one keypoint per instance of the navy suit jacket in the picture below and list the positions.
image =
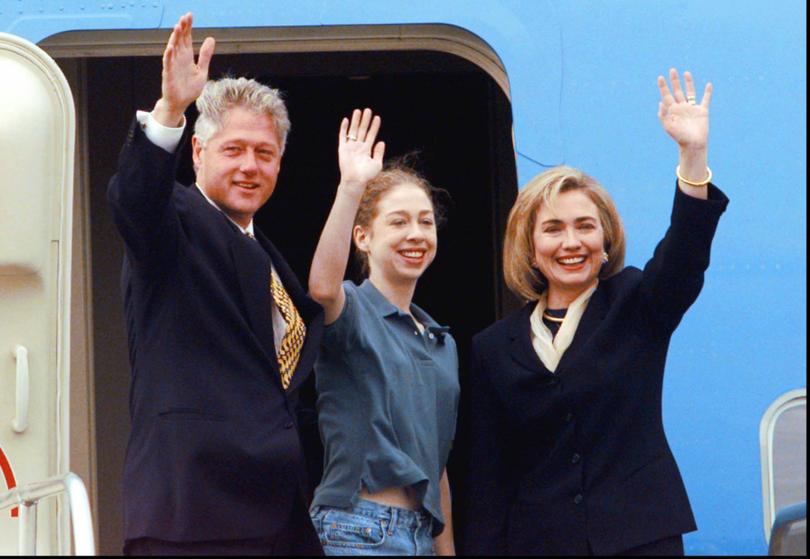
(214, 451)
(576, 461)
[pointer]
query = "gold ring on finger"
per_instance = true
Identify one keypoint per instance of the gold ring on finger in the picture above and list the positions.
(351, 137)
(690, 99)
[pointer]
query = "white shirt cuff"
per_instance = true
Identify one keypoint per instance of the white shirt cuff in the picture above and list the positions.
(162, 136)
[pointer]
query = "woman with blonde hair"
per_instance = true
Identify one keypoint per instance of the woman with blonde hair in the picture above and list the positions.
(567, 451)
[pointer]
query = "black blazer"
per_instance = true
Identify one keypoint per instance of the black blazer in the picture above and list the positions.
(214, 451)
(576, 462)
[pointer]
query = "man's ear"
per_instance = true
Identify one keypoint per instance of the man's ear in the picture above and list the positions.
(196, 149)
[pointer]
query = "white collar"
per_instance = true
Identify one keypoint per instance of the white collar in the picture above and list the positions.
(550, 349)
(245, 230)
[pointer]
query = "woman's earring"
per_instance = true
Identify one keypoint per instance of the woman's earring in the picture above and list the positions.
(605, 258)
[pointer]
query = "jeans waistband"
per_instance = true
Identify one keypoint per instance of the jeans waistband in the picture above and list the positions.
(393, 516)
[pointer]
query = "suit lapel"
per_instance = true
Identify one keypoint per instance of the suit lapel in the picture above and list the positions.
(588, 324)
(521, 348)
(253, 273)
(311, 312)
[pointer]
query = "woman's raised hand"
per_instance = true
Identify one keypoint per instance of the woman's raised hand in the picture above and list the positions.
(683, 117)
(360, 159)
(182, 79)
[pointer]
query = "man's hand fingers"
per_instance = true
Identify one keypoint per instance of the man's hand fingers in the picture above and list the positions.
(206, 52)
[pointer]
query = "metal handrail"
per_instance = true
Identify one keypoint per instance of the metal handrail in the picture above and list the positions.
(28, 496)
(786, 518)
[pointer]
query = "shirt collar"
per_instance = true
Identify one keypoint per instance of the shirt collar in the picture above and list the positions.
(386, 308)
(245, 230)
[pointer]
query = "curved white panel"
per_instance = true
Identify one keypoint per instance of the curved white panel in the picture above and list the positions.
(36, 194)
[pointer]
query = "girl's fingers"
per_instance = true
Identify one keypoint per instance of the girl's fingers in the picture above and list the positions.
(364, 122)
(375, 128)
(354, 124)
(344, 128)
(379, 151)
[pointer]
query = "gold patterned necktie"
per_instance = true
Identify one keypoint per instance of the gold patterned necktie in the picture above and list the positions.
(293, 339)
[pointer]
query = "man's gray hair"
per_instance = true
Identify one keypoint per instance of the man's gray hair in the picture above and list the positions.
(219, 96)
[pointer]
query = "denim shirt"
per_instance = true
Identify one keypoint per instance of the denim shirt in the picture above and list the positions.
(387, 401)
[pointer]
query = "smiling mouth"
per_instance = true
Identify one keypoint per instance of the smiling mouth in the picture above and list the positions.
(412, 254)
(571, 260)
(247, 185)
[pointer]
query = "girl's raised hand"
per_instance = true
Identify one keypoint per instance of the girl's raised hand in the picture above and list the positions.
(359, 157)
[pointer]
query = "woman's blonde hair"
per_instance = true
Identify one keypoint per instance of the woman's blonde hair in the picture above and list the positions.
(520, 273)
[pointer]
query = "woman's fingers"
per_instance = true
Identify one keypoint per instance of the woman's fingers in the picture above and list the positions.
(677, 92)
(690, 87)
(663, 88)
(707, 95)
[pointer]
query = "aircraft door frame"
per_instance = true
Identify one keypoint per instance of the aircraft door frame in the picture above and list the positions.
(36, 209)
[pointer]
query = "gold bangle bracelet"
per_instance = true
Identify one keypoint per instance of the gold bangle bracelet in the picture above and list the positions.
(704, 182)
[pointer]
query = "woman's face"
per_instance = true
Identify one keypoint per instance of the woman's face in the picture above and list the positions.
(401, 240)
(568, 245)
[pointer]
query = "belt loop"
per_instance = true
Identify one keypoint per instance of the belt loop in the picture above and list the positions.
(393, 521)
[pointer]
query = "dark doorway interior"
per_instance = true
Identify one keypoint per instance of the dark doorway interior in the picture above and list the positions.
(439, 105)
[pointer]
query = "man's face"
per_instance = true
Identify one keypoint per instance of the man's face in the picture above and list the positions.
(237, 168)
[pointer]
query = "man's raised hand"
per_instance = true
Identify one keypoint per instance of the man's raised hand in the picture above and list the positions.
(182, 79)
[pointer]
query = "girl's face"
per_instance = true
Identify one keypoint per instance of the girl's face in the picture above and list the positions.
(401, 240)
(568, 245)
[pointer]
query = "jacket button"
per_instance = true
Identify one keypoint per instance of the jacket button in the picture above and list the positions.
(575, 458)
(288, 425)
(578, 498)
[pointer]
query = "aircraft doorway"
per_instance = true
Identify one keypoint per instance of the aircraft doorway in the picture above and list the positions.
(447, 109)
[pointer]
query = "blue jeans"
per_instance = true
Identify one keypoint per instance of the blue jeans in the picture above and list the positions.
(373, 529)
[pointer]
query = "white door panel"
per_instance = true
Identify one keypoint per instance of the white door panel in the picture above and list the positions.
(36, 176)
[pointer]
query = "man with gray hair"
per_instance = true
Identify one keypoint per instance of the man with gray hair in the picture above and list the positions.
(221, 333)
